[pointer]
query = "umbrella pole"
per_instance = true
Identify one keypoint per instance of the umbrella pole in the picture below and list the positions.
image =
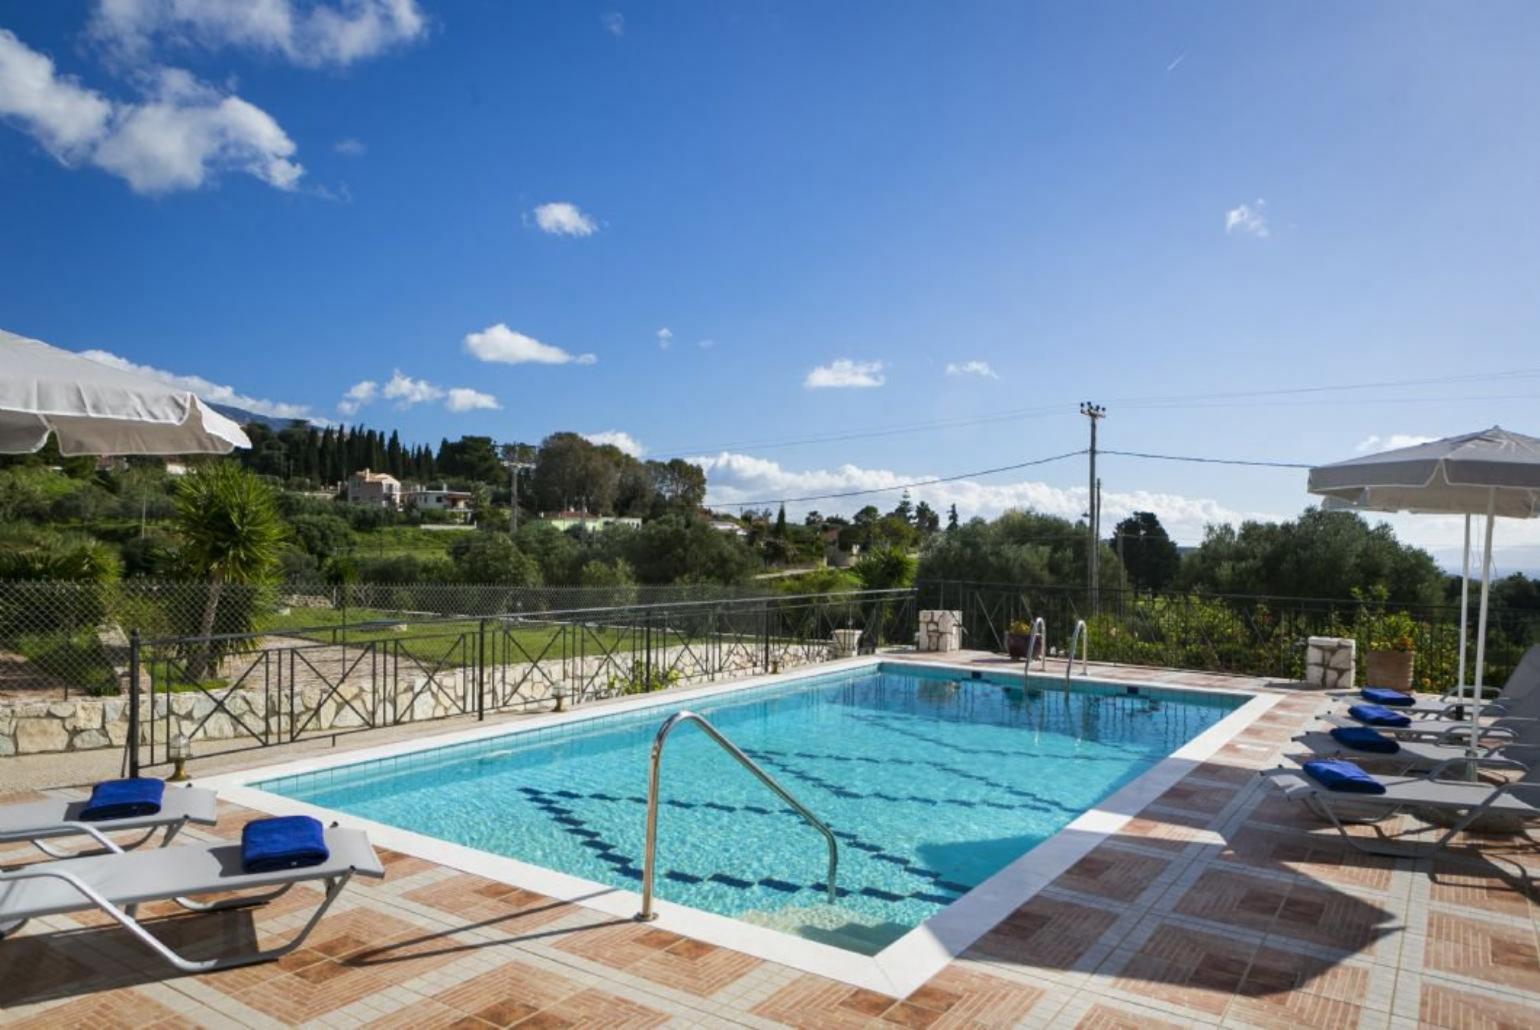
(1481, 631)
(1464, 605)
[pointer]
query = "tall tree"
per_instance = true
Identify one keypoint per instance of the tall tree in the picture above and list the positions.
(1148, 554)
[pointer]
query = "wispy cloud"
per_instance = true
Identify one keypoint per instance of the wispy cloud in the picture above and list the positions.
(1374, 443)
(1179, 59)
(845, 373)
(618, 439)
(1250, 219)
(350, 147)
(205, 389)
(359, 394)
(706, 344)
(614, 23)
(498, 343)
(665, 338)
(972, 368)
(179, 134)
(463, 398)
(560, 218)
(311, 34)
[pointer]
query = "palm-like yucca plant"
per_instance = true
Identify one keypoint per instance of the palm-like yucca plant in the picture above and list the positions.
(231, 534)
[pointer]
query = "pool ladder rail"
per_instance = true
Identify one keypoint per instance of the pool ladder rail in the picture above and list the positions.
(1079, 635)
(1037, 643)
(647, 914)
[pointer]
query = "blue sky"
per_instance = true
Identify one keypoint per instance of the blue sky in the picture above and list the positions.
(1153, 206)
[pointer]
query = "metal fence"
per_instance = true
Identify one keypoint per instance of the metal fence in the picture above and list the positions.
(1249, 634)
(226, 692)
(60, 639)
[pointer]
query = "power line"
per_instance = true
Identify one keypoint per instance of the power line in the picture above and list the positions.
(902, 486)
(1210, 461)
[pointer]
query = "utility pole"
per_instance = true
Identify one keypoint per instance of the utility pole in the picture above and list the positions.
(514, 458)
(1094, 412)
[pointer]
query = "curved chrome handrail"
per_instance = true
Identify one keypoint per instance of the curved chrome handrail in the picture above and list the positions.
(1080, 634)
(1037, 641)
(647, 914)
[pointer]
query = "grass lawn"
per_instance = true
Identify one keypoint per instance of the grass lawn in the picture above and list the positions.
(390, 541)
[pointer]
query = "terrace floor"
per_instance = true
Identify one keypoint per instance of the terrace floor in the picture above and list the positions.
(1218, 904)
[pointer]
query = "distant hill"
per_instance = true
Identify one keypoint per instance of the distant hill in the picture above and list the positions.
(244, 417)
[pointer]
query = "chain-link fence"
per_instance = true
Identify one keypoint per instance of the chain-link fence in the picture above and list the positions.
(61, 639)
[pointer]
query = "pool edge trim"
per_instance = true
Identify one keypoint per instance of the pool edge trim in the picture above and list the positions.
(897, 970)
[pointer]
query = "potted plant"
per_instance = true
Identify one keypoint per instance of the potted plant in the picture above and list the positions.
(1391, 653)
(1017, 637)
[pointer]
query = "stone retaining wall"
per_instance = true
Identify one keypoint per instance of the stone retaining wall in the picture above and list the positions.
(87, 724)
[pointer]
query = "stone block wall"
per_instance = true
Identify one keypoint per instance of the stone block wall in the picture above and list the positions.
(1330, 662)
(940, 630)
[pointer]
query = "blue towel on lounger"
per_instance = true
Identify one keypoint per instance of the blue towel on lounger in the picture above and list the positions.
(124, 799)
(1343, 776)
(1362, 738)
(1386, 696)
(285, 842)
(1378, 715)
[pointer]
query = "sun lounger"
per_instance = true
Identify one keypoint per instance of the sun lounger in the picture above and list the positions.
(1410, 756)
(116, 883)
(1463, 800)
(1522, 684)
(41, 821)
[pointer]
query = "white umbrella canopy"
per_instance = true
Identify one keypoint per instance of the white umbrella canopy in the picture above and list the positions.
(1493, 473)
(93, 408)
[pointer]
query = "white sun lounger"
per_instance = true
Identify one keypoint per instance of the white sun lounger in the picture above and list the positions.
(116, 883)
(40, 821)
(1466, 801)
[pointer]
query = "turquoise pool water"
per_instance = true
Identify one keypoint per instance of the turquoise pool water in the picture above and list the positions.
(931, 784)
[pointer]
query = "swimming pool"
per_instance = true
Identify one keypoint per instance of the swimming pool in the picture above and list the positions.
(932, 780)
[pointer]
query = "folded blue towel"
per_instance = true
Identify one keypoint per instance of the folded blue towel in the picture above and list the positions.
(1386, 696)
(1343, 776)
(1377, 715)
(285, 842)
(1362, 738)
(124, 799)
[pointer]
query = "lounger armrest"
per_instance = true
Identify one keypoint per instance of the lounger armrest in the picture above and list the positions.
(1485, 762)
(61, 828)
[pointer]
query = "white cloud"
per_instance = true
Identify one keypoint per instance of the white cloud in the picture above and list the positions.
(734, 478)
(310, 34)
(972, 368)
(407, 391)
(350, 147)
(182, 130)
(1248, 218)
(845, 373)
(614, 23)
(620, 440)
(706, 344)
(203, 388)
(358, 395)
(463, 398)
(563, 219)
(1373, 443)
(501, 344)
(665, 338)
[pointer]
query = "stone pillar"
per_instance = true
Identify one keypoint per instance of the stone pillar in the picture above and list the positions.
(940, 630)
(1330, 663)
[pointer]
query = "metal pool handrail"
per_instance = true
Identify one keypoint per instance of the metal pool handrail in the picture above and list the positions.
(1037, 641)
(1080, 634)
(647, 914)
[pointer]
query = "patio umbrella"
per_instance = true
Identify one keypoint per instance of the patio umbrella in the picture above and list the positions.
(1492, 473)
(92, 408)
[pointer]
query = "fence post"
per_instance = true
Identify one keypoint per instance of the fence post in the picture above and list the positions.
(481, 668)
(133, 703)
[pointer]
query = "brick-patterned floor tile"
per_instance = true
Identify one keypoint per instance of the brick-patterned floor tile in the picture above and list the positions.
(1046, 931)
(968, 998)
(812, 1001)
(490, 904)
(1465, 886)
(1104, 1016)
(1452, 1009)
(1229, 897)
(1483, 951)
(1321, 858)
(1111, 872)
(1180, 966)
(126, 1009)
(662, 957)
(1191, 795)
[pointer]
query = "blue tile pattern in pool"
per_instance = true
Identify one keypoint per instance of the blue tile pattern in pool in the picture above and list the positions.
(930, 782)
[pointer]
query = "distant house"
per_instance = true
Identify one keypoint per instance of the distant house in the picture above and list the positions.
(724, 526)
(836, 556)
(379, 489)
(565, 520)
(440, 498)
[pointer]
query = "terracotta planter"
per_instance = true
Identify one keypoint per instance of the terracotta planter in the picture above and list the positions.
(1391, 669)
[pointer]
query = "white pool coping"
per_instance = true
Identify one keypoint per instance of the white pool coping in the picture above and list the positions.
(896, 970)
